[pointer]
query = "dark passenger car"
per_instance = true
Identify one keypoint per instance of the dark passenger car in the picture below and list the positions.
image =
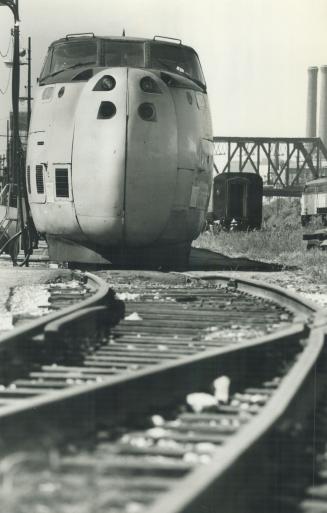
(237, 200)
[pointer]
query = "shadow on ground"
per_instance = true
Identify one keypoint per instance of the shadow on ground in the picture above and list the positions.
(200, 260)
(207, 260)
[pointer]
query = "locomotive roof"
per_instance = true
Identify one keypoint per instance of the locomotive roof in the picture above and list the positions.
(90, 36)
(235, 174)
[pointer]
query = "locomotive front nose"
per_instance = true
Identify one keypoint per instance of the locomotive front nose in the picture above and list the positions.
(99, 157)
(124, 157)
(151, 160)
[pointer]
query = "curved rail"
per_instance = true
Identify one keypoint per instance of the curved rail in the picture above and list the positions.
(220, 484)
(103, 293)
(53, 324)
(262, 289)
(62, 413)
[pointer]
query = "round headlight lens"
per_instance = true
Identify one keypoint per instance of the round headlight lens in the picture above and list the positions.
(148, 85)
(147, 112)
(106, 83)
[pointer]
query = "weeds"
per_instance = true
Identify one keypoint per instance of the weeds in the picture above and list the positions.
(279, 241)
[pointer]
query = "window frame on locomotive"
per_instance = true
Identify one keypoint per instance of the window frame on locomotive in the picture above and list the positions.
(148, 61)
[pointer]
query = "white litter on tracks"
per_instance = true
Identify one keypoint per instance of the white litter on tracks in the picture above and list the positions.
(133, 317)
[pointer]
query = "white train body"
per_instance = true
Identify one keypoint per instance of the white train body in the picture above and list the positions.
(314, 200)
(120, 149)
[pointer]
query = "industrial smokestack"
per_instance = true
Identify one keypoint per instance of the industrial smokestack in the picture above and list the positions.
(311, 129)
(323, 106)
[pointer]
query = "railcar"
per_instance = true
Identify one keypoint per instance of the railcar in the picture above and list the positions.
(120, 150)
(237, 200)
(314, 201)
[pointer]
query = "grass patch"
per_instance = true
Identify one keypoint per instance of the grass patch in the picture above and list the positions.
(279, 241)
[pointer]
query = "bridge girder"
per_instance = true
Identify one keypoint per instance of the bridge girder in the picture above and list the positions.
(283, 162)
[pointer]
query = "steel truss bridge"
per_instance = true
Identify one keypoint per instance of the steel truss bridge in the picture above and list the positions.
(285, 164)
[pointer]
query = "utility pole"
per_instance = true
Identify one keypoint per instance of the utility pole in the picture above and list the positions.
(8, 154)
(15, 142)
(15, 99)
(13, 6)
(25, 223)
(29, 98)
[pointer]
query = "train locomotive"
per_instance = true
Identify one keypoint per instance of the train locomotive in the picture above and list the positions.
(120, 150)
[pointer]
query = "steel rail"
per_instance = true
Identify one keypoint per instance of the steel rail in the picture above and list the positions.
(10, 340)
(77, 411)
(119, 393)
(261, 289)
(48, 412)
(218, 483)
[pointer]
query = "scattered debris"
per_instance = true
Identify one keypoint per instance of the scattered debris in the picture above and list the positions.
(133, 317)
(200, 402)
(127, 296)
(157, 420)
(221, 389)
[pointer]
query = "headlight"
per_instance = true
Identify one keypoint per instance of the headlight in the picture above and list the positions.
(106, 110)
(106, 83)
(148, 85)
(147, 112)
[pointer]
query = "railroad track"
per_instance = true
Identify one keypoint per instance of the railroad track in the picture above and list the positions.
(306, 490)
(298, 482)
(32, 295)
(132, 389)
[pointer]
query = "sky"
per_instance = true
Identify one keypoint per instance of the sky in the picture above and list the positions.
(254, 53)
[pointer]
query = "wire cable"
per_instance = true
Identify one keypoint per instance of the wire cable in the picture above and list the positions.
(3, 91)
(5, 54)
(14, 237)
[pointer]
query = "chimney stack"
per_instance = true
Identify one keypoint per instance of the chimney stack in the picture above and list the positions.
(311, 129)
(323, 106)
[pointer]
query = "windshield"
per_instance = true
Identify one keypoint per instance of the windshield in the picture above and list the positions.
(117, 53)
(177, 59)
(137, 54)
(70, 54)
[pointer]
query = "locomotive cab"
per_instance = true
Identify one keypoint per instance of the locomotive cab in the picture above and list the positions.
(120, 149)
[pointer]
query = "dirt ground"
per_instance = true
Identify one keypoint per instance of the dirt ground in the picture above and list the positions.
(295, 281)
